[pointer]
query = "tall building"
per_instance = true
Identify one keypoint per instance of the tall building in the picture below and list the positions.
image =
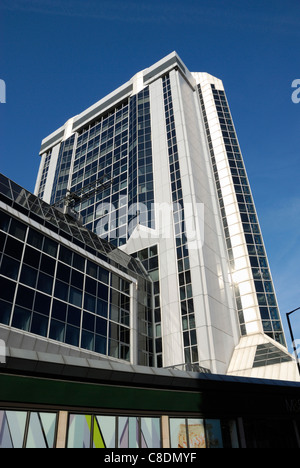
(156, 169)
(75, 326)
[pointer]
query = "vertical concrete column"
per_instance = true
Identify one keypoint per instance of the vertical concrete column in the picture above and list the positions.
(62, 430)
(165, 432)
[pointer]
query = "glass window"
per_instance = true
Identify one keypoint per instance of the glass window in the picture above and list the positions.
(57, 330)
(213, 433)
(9, 267)
(5, 311)
(32, 257)
(178, 433)
(48, 265)
(61, 291)
(59, 310)
(72, 335)
(74, 316)
(79, 433)
(21, 318)
(103, 275)
(92, 269)
(128, 432)
(202, 433)
(102, 308)
(187, 434)
(39, 324)
(101, 326)
(78, 262)
(90, 303)
(115, 281)
(100, 431)
(75, 296)
(102, 291)
(63, 272)
(41, 431)
(14, 248)
(87, 340)
(77, 279)
(125, 302)
(25, 297)
(50, 247)
(17, 229)
(104, 432)
(88, 322)
(91, 286)
(100, 344)
(4, 221)
(12, 429)
(113, 348)
(28, 276)
(42, 304)
(65, 255)
(7, 289)
(150, 433)
(45, 283)
(35, 239)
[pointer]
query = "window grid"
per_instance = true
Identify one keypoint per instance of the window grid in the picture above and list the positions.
(183, 263)
(150, 261)
(102, 151)
(110, 431)
(58, 294)
(27, 429)
(118, 147)
(260, 269)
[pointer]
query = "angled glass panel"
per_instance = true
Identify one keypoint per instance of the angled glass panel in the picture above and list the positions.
(79, 434)
(104, 432)
(128, 432)
(150, 433)
(19, 194)
(5, 186)
(12, 428)
(48, 422)
(41, 430)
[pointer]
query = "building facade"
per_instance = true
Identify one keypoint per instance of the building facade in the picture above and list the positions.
(175, 195)
(63, 290)
(49, 401)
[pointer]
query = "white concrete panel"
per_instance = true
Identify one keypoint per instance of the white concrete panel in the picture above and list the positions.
(51, 174)
(209, 280)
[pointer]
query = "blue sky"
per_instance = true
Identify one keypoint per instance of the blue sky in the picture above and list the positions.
(60, 56)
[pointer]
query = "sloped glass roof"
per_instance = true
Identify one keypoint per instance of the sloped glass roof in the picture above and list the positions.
(66, 226)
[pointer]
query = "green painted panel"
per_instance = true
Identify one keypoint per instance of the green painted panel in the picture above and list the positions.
(29, 390)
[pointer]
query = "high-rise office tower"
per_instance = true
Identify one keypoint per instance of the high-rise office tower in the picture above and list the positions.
(161, 165)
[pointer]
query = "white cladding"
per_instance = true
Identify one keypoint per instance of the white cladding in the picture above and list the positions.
(217, 325)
